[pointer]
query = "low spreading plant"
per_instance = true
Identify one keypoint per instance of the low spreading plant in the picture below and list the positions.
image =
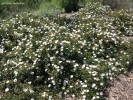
(41, 60)
(123, 21)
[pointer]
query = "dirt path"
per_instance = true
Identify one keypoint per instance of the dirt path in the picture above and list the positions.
(122, 88)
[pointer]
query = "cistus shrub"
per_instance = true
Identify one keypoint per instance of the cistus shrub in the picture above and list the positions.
(123, 21)
(40, 60)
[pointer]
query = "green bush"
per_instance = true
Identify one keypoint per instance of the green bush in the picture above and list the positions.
(40, 60)
(70, 5)
(74, 5)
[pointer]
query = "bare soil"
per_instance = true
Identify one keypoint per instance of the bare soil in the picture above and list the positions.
(121, 89)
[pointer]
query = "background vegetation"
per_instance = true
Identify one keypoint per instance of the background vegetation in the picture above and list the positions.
(54, 7)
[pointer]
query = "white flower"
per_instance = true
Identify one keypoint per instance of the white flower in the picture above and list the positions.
(94, 98)
(71, 86)
(49, 85)
(7, 81)
(101, 84)
(87, 68)
(87, 90)
(65, 93)
(83, 66)
(111, 78)
(51, 58)
(53, 82)
(84, 97)
(58, 70)
(71, 76)
(73, 95)
(32, 73)
(76, 65)
(82, 92)
(94, 73)
(15, 80)
(31, 91)
(101, 93)
(84, 85)
(1, 51)
(16, 73)
(7, 89)
(127, 62)
(56, 41)
(63, 88)
(97, 97)
(65, 82)
(25, 89)
(93, 85)
(93, 66)
(50, 98)
(44, 94)
(29, 82)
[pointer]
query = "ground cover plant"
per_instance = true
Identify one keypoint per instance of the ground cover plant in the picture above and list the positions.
(123, 21)
(41, 60)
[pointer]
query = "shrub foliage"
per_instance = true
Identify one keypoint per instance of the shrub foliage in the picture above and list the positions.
(40, 60)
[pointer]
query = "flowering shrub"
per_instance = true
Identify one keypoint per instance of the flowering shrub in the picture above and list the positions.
(41, 60)
(123, 21)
